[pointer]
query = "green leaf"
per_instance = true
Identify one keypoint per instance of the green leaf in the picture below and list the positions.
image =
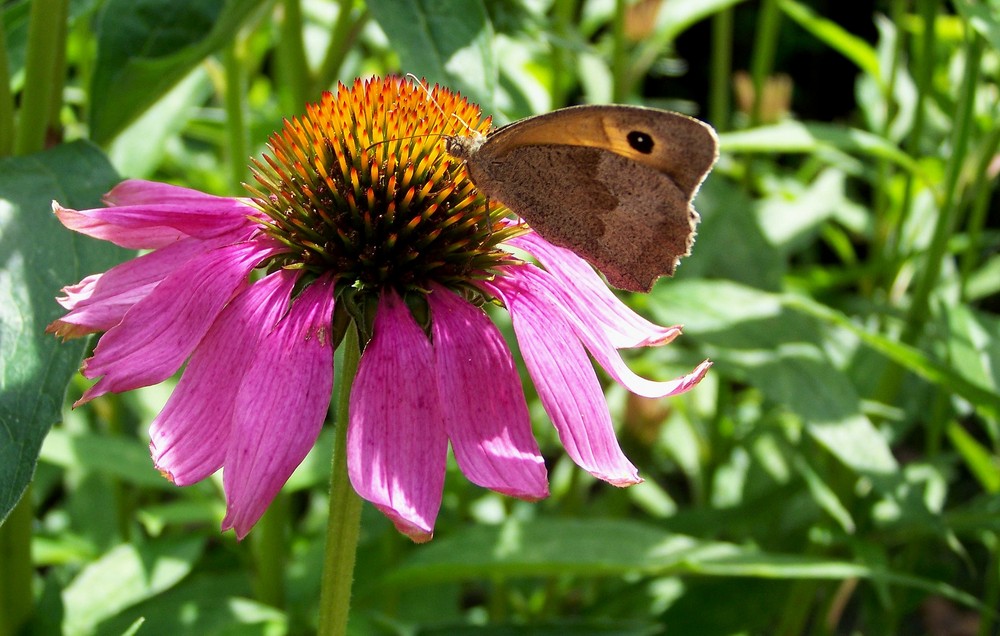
(850, 46)
(124, 576)
(203, 604)
(123, 458)
(146, 46)
(606, 547)
(446, 41)
(794, 136)
(985, 398)
(751, 335)
(981, 462)
(40, 257)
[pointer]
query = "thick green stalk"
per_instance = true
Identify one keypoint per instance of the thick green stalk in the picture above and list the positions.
(344, 519)
(563, 22)
(764, 47)
(270, 552)
(6, 99)
(41, 61)
(619, 55)
(924, 63)
(234, 61)
(947, 219)
(16, 599)
(991, 591)
(345, 32)
(722, 69)
(296, 80)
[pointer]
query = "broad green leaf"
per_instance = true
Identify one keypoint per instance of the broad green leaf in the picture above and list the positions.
(144, 47)
(914, 360)
(139, 150)
(124, 458)
(731, 245)
(847, 44)
(599, 547)
(750, 335)
(981, 462)
(984, 16)
(216, 603)
(39, 258)
(798, 137)
(124, 576)
(445, 41)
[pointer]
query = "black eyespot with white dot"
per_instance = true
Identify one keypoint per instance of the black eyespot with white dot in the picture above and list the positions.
(640, 141)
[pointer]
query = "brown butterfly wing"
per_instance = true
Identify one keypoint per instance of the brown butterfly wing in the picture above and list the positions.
(626, 212)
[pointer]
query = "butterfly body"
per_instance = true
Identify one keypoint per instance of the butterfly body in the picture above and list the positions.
(612, 183)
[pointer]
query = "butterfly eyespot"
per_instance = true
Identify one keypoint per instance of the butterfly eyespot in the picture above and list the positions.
(640, 141)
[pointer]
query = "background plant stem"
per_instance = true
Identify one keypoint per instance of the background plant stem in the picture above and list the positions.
(41, 61)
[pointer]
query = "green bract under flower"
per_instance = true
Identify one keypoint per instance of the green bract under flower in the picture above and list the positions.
(360, 187)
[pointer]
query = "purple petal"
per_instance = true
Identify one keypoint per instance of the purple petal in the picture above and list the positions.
(162, 329)
(485, 414)
(591, 332)
(148, 215)
(190, 436)
(588, 295)
(565, 381)
(99, 302)
(396, 442)
(280, 407)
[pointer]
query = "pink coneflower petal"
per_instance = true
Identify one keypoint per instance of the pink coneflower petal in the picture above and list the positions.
(588, 295)
(592, 333)
(396, 443)
(99, 302)
(146, 215)
(188, 439)
(484, 410)
(565, 380)
(280, 408)
(161, 330)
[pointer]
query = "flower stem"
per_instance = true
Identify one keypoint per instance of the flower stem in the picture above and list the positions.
(345, 31)
(270, 552)
(722, 68)
(344, 519)
(234, 60)
(41, 61)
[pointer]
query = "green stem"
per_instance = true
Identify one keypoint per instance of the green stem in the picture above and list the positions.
(619, 55)
(722, 69)
(296, 81)
(925, 71)
(236, 131)
(991, 591)
(950, 202)
(41, 61)
(6, 98)
(16, 599)
(563, 13)
(345, 32)
(344, 518)
(764, 47)
(270, 547)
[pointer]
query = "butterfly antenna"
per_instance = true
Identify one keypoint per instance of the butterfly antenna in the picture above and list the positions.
(432, 100)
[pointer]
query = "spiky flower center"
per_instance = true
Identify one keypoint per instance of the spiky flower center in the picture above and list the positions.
(360, 187)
